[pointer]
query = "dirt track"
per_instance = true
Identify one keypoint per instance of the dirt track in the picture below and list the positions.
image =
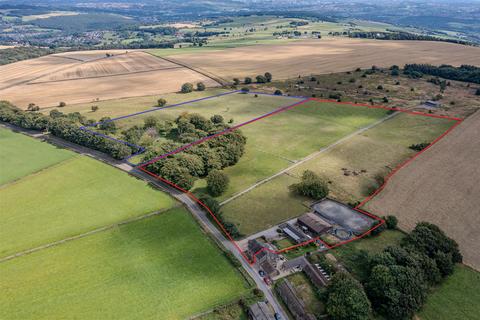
(327, 55)
(441, 186)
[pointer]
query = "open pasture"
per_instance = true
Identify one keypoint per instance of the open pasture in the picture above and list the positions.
(456, 298)
(126, 106)
(326, 55)
(278, 141)
(237, 106)
(441, 186)
(369, 154)
(161, 267)
(21, 155)
(72, 197)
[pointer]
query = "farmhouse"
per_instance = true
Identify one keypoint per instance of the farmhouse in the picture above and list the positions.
(314, 223)
(260, 311)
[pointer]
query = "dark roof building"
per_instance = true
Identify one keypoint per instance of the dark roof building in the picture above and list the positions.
(260, 311)
(293, 232)
(315, 275)
(261, 252)
(431, 103)
(314, 223)
(269, 268)
(293, 302)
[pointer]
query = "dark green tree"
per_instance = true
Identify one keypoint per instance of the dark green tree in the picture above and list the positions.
(261, 79)
(247, 80)
(161, 102)
(187, 87)
(106, 124)
(217, 119)
(311, 186)
(346, 299)
(268, 76)
(200, 86)
(217, 183)
(391, 222)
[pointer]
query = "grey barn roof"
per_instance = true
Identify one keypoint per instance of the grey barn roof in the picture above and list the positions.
(314, 222)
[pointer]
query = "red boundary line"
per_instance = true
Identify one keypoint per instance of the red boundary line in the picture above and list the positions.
(357, 208)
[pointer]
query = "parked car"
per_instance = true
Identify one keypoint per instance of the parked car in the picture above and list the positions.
(277, 316)
(261, 273)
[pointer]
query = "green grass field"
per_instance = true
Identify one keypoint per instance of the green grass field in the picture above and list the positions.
(21, 155)
(376, 150)
(237, 106)
(125, 106)
(275, 142)
(162, 267)
(457, 298)
(72, 197)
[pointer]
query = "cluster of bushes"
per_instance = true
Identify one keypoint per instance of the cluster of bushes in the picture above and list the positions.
(63, 126)
(267, 77)
(396, 281)
(214, 206)
(419, 146)
(311, 186)
(188, 87)
(200, 160)
(464, 73)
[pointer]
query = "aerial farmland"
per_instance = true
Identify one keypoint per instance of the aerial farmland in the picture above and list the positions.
(224, 161)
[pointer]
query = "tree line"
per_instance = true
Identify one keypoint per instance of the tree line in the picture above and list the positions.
(402, 36)
(203, 160)
(63, 126)
(465, 73)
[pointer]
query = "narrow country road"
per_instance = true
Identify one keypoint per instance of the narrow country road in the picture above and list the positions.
(201, 216)
(184, 198)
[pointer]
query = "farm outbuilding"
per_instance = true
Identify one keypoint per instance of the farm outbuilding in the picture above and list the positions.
(293, 232)
(314, 223)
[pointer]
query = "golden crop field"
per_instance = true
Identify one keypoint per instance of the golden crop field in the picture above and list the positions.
(325, 56)
(82, 77)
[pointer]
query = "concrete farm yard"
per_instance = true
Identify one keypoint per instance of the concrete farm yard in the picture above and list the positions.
(70, 195)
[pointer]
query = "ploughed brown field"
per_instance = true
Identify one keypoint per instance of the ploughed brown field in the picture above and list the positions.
(441, 186)
(326, 55)
(82, 77)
